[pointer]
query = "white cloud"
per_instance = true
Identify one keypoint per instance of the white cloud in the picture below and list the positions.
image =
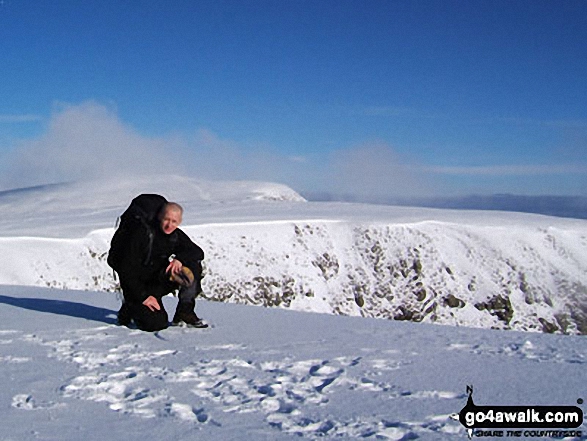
(86, 141)
(226, 159)
(374, 170)
(89, 141)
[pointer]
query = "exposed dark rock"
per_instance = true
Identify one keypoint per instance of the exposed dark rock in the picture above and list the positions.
(547, 327)
(417, 266)
(360, 301)
(499, 307)
(453, 302)
(404, 314)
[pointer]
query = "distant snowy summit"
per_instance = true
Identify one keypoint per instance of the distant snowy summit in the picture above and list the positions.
(117, 190)
(75, 208)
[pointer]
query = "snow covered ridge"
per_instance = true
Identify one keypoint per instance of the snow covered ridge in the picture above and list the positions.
(265, 245)
(522, 277)
(507, 278)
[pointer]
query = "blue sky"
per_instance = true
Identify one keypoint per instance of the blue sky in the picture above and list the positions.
(389, 98)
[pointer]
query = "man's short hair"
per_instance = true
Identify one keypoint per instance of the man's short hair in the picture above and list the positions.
(173, 206)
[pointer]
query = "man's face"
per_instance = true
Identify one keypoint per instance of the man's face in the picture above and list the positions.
(170, 221)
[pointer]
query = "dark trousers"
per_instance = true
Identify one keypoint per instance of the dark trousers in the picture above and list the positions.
(152, 321)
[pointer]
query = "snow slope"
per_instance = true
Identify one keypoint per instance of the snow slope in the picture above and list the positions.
(74, 209)
(266, 246)
(69, 373)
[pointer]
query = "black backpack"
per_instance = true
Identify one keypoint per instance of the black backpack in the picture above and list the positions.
(141, 213)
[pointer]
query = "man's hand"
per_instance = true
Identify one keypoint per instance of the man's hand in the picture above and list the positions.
(174, 267)
(152, 303)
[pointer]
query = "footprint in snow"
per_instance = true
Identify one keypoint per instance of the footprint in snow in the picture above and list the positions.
(27, 402)
(186, 412)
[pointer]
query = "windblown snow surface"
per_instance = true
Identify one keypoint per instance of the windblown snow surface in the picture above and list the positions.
(361, 370)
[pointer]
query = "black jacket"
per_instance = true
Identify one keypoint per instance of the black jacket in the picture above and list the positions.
(142, 267)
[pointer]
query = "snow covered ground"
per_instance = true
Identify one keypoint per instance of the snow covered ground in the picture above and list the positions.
(69, 373)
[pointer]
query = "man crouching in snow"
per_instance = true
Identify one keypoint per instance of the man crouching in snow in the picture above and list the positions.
(155, 263)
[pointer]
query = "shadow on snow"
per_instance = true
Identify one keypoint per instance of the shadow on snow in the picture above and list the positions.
(62, 307)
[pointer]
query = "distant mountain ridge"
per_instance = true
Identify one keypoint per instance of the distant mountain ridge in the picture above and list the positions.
(561, 206)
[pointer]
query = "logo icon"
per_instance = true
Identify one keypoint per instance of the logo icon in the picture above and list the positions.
(554, 418)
